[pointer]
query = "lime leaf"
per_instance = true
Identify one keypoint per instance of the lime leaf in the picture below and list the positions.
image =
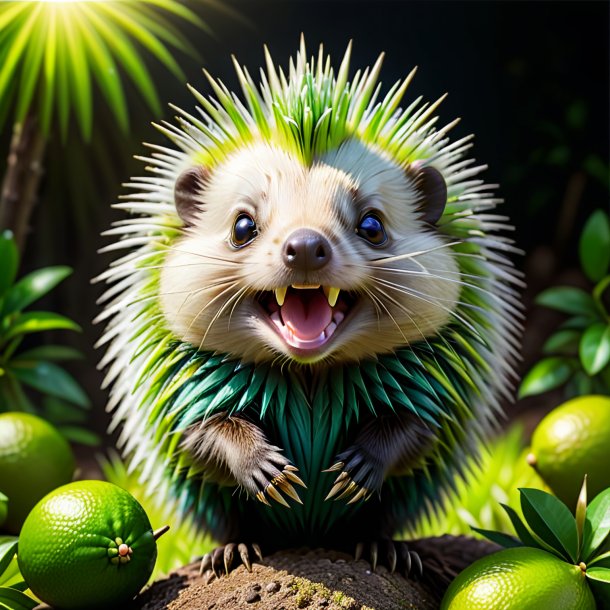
(7, 552)
(594, 247)
(53, 380)
(551, 520)
(599, 581)
(581, 512)
(568, 300)
(545, 375)
(520, 528)
(500, 538)
(15, 600)
(35, 321)
(562, 342)
(601, 561)
(597, 524)
(9, 260)
(595, 348)
(74, 434)
(56, 353)
(33, 286)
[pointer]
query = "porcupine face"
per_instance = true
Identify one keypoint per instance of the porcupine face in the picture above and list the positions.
(333, 262)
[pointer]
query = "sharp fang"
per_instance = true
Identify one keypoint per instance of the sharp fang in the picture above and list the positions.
(280, 295)
(332, 294)
(306, 286)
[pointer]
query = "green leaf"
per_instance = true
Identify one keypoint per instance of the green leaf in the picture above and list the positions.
(36, 321)
(33, 286)
(75, 434)
(599, 581)
(597, 524)
(520, 528)
(594, 247)
(56, 353)
(551, 520)
(594, 348)
(546, 375)
(7, 552)
(500, 538)
(563, 342)
(568, 300)
(581, 513)
(16, 600)
(9, 261)
(51, 379)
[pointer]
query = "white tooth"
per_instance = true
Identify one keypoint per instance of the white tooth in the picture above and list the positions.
(338, 317)
(280, 295)
(332, 294)
(330, 329)
(275, 318)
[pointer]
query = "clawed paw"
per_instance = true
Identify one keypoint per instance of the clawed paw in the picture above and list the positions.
(360, 476)
(275, 482)
(395, 555)
(225, 558)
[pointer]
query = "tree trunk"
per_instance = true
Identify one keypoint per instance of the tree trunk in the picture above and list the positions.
(22, 179)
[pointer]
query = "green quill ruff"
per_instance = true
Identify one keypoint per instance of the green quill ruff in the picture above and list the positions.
(452, 381)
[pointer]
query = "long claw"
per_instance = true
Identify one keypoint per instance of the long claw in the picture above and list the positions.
(257, 551)
(359, 495)
(406, 557)
(290, 491)
(348, 490)
(216, 561)
(208, 576)
(206, 563)
(335, 467)
(391, 557)
(229, 554)
(276, 495)
(260, 496)
(337, 487)
(293, 478)
(373, 555)
(418, 564)
(291, 468)
(245, 556)
(359, 551)
(342, 477)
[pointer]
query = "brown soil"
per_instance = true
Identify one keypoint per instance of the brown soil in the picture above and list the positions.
(287, 581)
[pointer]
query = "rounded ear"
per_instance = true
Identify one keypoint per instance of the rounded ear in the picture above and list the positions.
(187, 190)
(431, 184)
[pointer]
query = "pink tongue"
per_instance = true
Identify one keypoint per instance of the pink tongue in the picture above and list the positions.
(306, 313)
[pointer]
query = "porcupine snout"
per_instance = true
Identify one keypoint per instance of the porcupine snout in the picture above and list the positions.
(306, 250)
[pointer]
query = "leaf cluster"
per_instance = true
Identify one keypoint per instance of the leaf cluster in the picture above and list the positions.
(549, 525)
(52, 54)
(36, 368)
(12, 586)
(578, 353)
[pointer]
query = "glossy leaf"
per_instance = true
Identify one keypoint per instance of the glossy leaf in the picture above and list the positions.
(33, 286)
(76, 434)
(9, 261)
(546, 375)
(8, 549)
(568, 299)
(594, 349)
(594, 247)
(551, 520)
(500, 538)
(581, 513)
(57, 353)
(14, 599)
(564, 342)
(520, 528)
(52, 380)
(597, 524)
(36, 321)
(599, 581)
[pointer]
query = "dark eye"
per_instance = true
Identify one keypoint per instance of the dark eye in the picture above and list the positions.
(244, 230)
(371, 229)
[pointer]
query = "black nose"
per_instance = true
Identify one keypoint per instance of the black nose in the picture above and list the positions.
(306, 250)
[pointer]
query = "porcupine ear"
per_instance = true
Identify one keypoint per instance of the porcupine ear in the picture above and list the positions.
(431, 184)
(187, 192)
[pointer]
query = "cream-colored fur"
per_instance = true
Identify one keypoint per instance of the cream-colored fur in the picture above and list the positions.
(209, 288)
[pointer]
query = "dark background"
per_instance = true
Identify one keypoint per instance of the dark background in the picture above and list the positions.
(530, 79)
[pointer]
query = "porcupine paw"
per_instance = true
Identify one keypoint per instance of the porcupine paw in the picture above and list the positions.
(393, 554)
(360, 475)
(269, 475)
(227, 557)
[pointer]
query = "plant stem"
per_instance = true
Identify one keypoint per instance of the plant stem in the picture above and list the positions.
(22, 179)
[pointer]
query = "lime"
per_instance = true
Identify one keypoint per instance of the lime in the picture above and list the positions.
(34, 459)
(520, 578)
(571, 441)
(88, 544)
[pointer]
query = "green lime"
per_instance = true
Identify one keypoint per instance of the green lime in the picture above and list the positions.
(519, 579)
(34, 459)
(88, 544)
(571, 441)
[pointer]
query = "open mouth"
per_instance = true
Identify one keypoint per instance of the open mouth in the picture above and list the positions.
(305, 316)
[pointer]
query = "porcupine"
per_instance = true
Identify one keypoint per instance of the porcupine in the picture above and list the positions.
(316, 318)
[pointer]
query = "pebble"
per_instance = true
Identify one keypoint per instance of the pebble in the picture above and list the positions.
(252, 597)
(272, 587)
